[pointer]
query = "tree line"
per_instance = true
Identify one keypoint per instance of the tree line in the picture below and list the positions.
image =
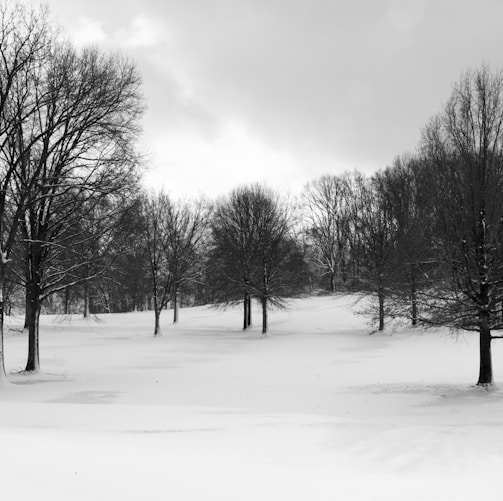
(423, 236)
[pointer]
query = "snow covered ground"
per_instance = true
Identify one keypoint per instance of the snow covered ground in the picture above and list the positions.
(318, 410)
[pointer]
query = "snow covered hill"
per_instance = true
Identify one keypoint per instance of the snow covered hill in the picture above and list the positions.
(318, 410)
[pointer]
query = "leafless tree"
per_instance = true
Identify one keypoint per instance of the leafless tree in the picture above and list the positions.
(155, 209)
(276, 252)
(463, 149)
(187, 225)
(24, 41)
(325, 203)
(234, 232)
(255, 254)
(376, 231)
(406, 187)
(174, 234)
(85, 126)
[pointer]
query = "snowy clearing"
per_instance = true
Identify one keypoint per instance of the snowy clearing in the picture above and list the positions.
(318, 410)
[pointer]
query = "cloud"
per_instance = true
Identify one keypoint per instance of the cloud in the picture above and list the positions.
(327, 85)
(88, 32)
(142, 31)
(139, 32)
(190, 164)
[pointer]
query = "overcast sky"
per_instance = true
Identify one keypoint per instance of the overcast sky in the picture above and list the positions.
(284, 91)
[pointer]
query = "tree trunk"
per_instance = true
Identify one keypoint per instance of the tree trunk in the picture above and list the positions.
(413, 298)
(414, 312)
(381, 308)
(245, 311)
(3, 376)
(486, 368)
(27, 308)
(247, 314)
(343, 271)
(175, 307)
(157, 314)
(264, 316)
(33, 303)
(249, 309)
(332, 282)
(87, 301)
(157, 327)
(33, 363)
(67, 301)
(110, 299)
(265, 294)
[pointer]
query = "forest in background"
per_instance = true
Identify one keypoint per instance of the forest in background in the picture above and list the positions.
(79, 233)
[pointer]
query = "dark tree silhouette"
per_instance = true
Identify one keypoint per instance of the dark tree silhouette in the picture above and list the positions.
(25, 37)
(85, 123)
(325, 204)
(405, 186)
(255, 254)
(375, 235)
(462, 147)
(174, 235)
(231, 263)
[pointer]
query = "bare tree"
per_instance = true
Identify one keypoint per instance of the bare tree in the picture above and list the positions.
(187, 237)
(123, 286)
(174, 235)
(405, 186)
(279, 262)
(24, 41)
(155, 209)
(462, 147)
(325, 204)
(98, 240)
(376, 229)
(234, 231)
(84, 125)
(254, 253)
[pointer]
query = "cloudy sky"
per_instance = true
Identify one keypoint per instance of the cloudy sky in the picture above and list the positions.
(283, 91)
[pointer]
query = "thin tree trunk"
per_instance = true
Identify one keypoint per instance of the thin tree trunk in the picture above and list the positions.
(265, 293)
(87, 301)
(264, 316)
(245, 311)
(157, 327)
(175, 307)
(413, 297)
(414, 312)
(3, 376)
(67, 301)
(381, 308)
(157, 315)
(110, 299)
(249, 318)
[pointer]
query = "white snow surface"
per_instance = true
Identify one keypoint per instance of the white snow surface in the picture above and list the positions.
(317, 410)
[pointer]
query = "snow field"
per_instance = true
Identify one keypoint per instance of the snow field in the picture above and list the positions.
(318, 410)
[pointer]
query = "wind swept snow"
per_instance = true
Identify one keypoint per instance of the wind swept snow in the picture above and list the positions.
(318, 410)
